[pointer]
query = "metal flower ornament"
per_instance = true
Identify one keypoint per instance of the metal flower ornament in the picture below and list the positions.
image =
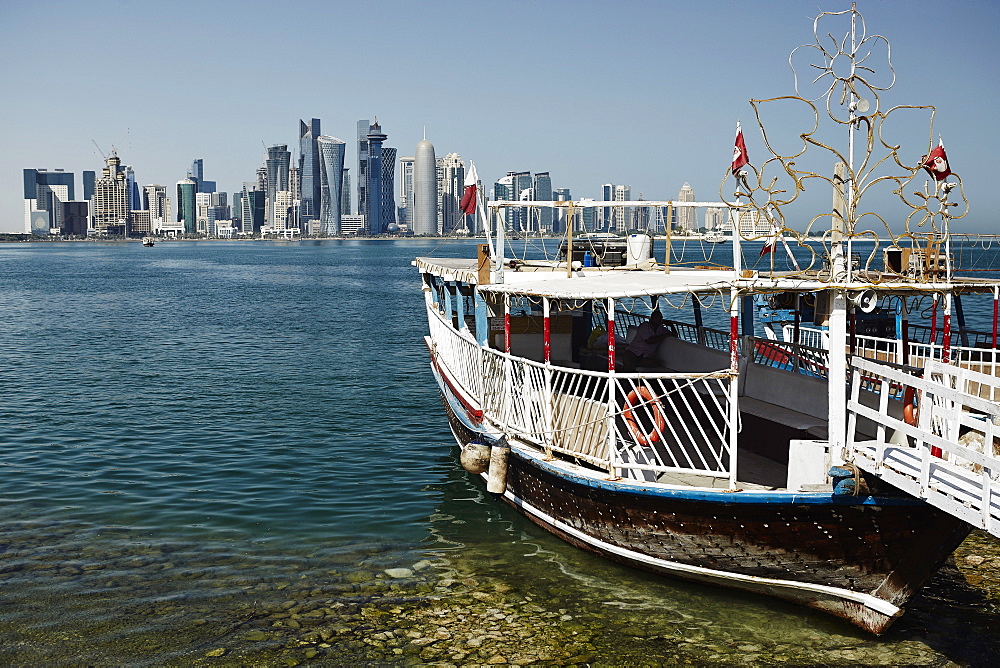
(849, 74)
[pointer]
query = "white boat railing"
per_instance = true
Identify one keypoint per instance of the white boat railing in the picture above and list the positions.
(459, 351)
(788, 356)
(627, 424)
(808, 336)
(976, 358)
(951, 456)
(659, 423)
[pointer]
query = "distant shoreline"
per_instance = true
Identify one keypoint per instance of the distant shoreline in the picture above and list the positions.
(251, 239)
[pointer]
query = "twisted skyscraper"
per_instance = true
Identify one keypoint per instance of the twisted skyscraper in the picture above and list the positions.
(331, 175)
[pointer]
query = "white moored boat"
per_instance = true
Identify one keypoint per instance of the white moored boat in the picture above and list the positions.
(831, 475)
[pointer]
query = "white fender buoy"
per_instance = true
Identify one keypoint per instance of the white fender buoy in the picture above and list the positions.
(475, 457)
(496, 481)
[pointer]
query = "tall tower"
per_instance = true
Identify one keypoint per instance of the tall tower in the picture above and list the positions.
(543, 193)
(376, 223)
(622, 216)
(155, 200)
(309, 170)
(685, 215)
(363, 128)
(331, 175)
(451, 186)
(388, 187)
(187, 206)
(278, 159)
(406, 190)
(425, 197)
(111, 198)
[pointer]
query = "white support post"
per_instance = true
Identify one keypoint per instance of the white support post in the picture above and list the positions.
(734, 384)
(612, 395)
(837, 365)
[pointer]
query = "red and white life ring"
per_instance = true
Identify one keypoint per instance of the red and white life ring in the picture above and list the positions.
(636, 397)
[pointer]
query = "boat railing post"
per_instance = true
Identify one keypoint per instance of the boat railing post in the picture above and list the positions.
(506, 323)
(546, 332)
(666, 229)
(612, 394)
(448, 303)
(548, 431)
(734, 385)
(996, 314)
(482, 319)
(901, 333)
(946, 330)
(459, 306)
(699, 320)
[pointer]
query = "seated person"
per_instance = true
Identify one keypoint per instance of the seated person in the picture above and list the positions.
(647, 339)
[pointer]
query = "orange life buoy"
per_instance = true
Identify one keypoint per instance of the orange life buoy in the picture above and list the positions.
(911, 414)
(635, 397)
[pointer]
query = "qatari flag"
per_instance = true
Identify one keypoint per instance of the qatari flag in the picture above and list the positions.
(468, 203)
(936, 163)
(739, 151)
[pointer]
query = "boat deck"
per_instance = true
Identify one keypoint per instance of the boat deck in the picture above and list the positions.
(753, 472)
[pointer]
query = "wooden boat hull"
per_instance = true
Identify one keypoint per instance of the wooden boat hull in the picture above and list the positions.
(858, 558)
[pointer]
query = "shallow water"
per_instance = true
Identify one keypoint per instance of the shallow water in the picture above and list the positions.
(234, 453)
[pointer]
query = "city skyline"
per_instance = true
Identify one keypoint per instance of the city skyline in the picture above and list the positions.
(689, 88)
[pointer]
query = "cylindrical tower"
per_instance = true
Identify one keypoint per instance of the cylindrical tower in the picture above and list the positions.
(425, 198)
(331, 179)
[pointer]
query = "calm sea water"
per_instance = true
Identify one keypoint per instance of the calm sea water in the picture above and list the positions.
(200, 437)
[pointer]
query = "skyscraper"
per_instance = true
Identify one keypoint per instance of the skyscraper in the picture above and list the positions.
(197, 174)
(451, 186)
(187, 208)
(425, 197)
(406, 190)
(388, 187)
(155, 200)
(331, 180)
(278, 160)
(517, 219)
(111, 199)
(251, 209)
(622, 216)
(686, 215)
(543, 193)
(376, 223)
(363, 128)
(89, 178)
(309, 170)
(134, 199)
(44, 193)
(503, 190)
(345, 201)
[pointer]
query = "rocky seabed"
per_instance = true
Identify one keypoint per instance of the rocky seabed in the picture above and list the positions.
(140, 602)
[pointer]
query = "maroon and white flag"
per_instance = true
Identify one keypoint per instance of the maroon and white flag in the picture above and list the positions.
(936, 163)
(773, 241)
(740, 157)
(769, 246)
(468, 203)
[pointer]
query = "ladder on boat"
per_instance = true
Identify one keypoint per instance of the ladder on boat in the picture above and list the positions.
(950, 457)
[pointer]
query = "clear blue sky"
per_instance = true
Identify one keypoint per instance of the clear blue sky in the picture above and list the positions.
(642, 93)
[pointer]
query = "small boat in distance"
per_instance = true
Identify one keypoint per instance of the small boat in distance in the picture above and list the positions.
(148, 241)
(715, 237)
